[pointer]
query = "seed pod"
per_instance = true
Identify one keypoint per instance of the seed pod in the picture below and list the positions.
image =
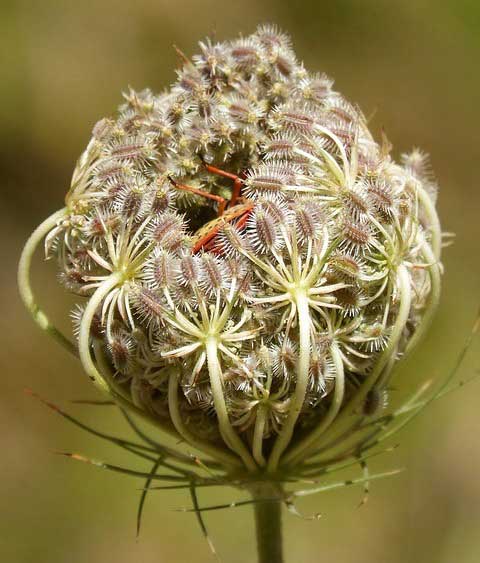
(243, 113)
(214, 59)
(381, 195)
(245, 53)
(316, 88)
(188, 270)
(230, 241)
(96, 327)
(284, 358)
(158, 198)
(167, 230)
(263, 232)
(344, 266)
(134, 149)
(148, 305)
(293, 118)
(72, 278)
(309, 219)
(128, 201)
(269, 178)
(121, 346)
(281, 146)
(161, 269)
(212, 274)
(349, 298)
(356, 237)
(356, 203)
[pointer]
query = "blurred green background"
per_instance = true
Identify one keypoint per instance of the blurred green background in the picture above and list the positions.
(414, 65)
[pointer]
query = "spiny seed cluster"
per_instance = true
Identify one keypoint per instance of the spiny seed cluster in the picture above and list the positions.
(270, 317)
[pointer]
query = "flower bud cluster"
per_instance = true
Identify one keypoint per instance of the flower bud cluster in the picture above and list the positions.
(253, 331)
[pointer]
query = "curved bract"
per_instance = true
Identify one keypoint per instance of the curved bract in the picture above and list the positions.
(266, 338)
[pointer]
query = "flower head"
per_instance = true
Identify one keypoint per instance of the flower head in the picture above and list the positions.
(250, 254)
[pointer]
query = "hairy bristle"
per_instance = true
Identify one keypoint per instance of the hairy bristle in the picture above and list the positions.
(269, 177)
(417, 163)
(128, 200)
(356, 236)
(132, 149)
(316, 88)
(309, 219)
(345, 266)
(381, 196)
(212, 273)
(293, 119)
(271, 37)
(168, 230)
(102, 129)
(356, 202)
(263, 232)
(121, 346)
(72, 278)
(280, 147)
(161, 269)
(148, 305)
(107, 170)
(245, 53)
(349, 299)
(230, 241)
(158, 199)
(276, 208)
(188, 270)
(96, 328)
(284, 358)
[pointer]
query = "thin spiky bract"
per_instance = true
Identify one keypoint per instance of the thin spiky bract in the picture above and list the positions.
(268, 492)
(266, 338)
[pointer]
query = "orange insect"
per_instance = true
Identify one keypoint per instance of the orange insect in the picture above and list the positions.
(228, 210)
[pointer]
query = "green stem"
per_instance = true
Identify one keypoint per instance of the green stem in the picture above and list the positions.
(268, 523)
(434, 222)
(433, 298)
(173, 405)
(344, 418)
(312, 438)
(99, 378)
(105, 369)
(231, 438)
(24, 286)
(84, 335)
(303, 367)
(258, 436)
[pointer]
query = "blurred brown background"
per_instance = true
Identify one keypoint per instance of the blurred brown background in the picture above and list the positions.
(64, 64)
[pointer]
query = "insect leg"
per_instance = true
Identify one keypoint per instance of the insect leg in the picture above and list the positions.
(237, 181)
(222, 202)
